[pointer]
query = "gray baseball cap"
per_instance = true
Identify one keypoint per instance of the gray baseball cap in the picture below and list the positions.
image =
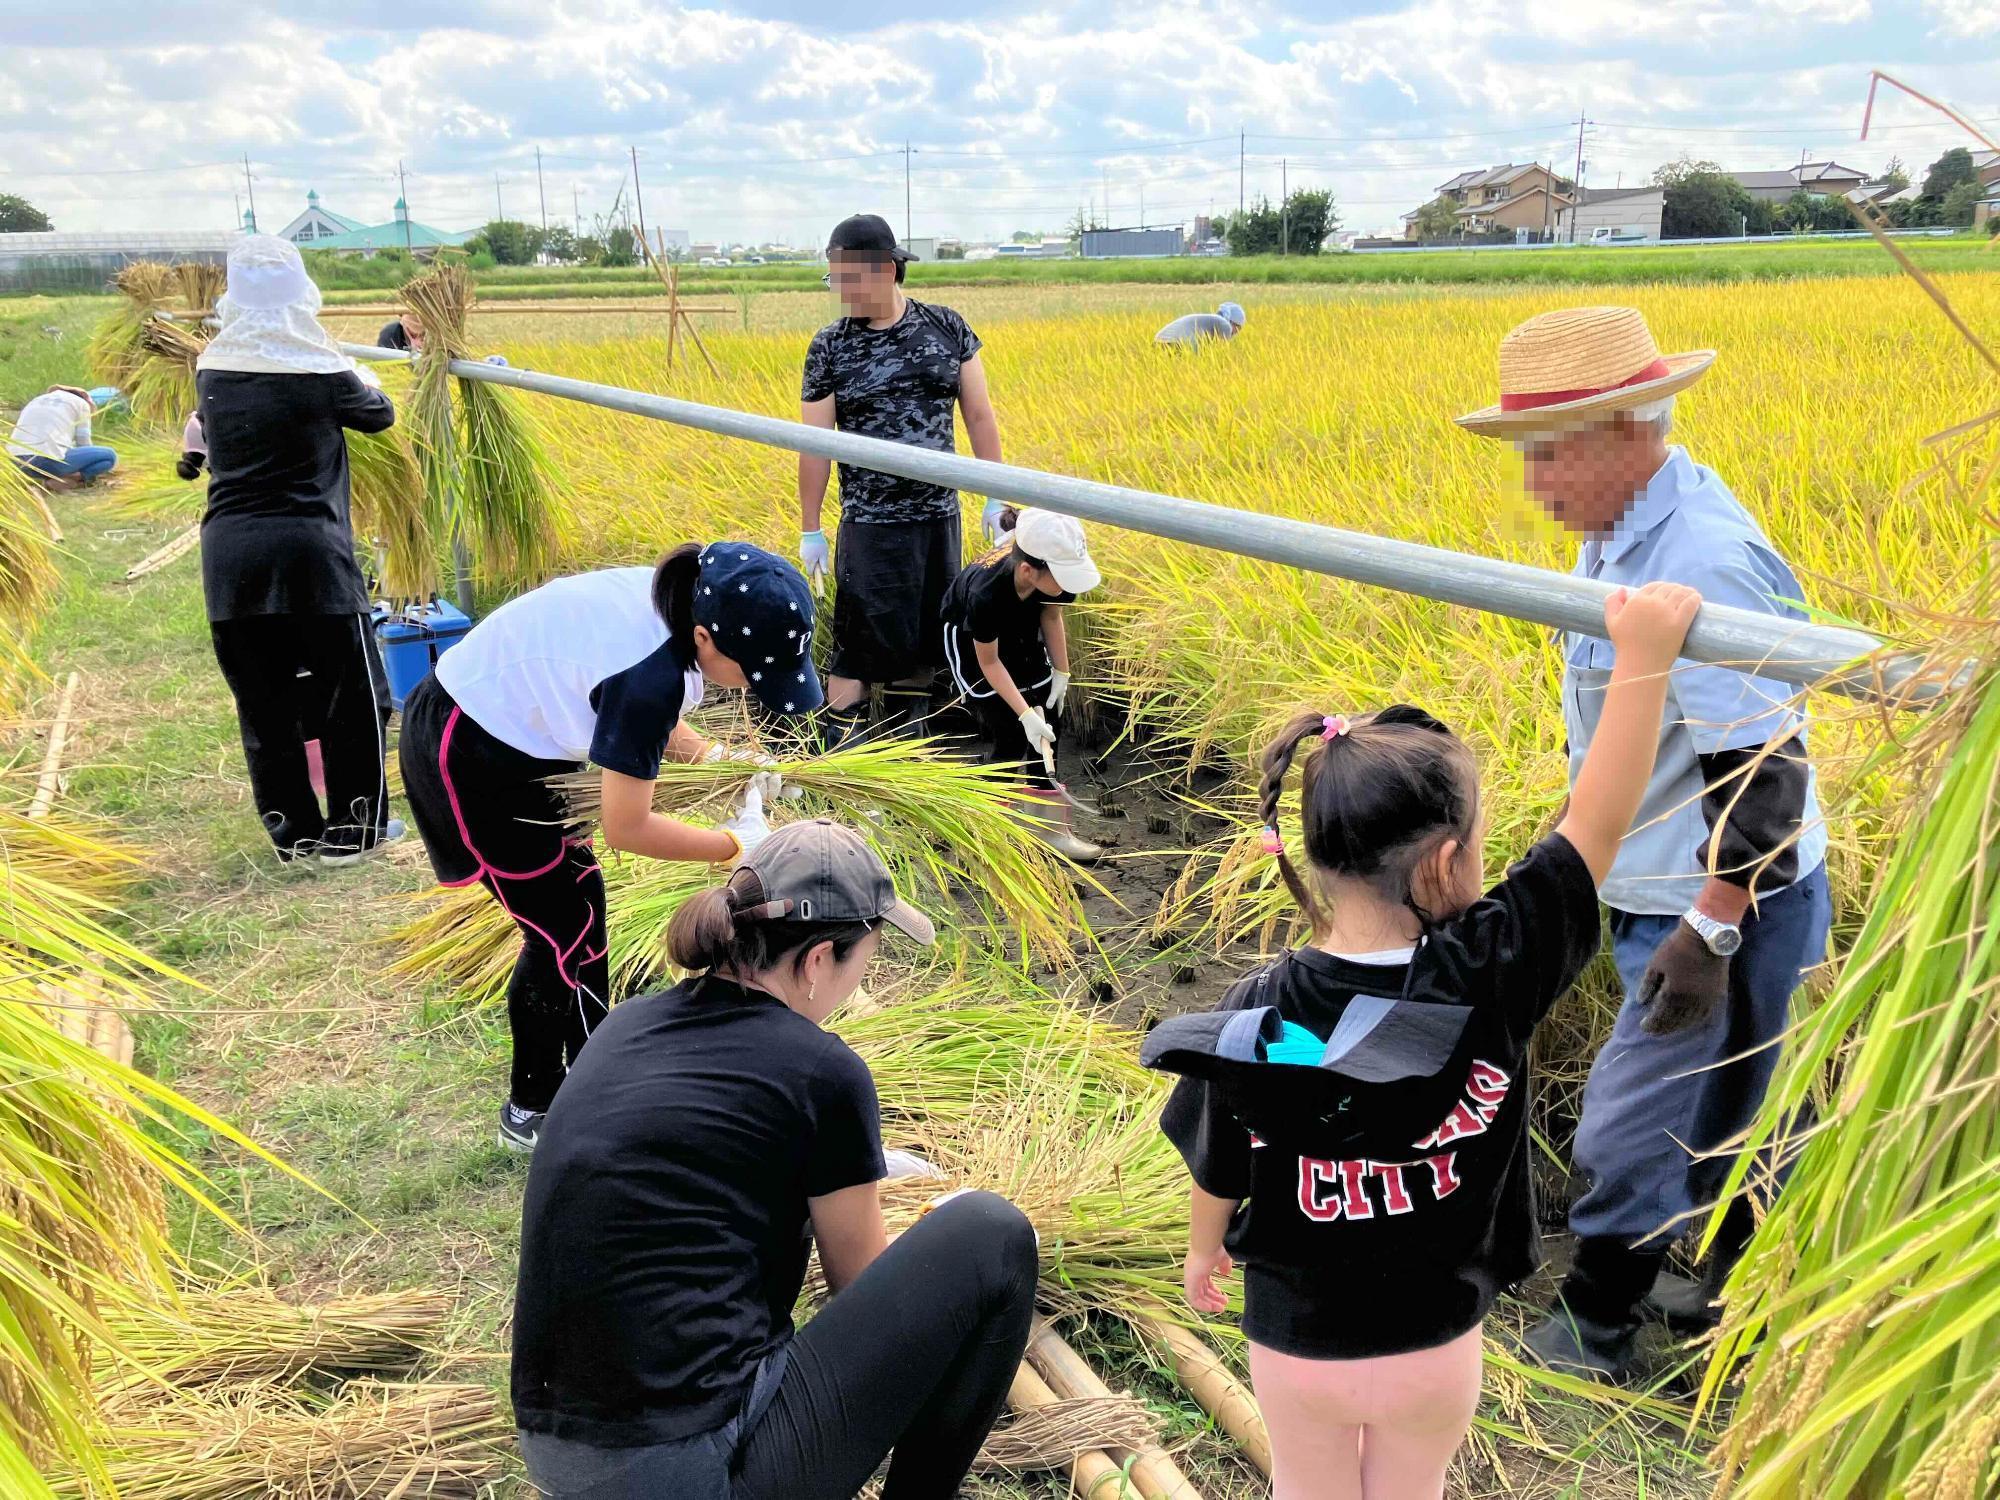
(817, 870)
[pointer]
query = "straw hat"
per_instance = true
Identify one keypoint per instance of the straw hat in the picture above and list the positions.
(1578, 362)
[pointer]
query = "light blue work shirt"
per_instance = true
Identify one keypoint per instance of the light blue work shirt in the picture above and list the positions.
(1686, 527)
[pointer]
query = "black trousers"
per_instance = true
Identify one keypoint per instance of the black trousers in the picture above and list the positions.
(488, 813)
(1010, 740)
(343, 703)
(912, 1363)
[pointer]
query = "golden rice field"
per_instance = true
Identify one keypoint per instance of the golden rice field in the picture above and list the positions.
(1338, 410)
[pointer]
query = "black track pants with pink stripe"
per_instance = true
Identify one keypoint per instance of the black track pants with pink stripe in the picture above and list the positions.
(488, 814)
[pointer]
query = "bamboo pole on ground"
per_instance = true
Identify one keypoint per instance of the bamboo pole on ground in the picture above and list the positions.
(51, 777)
(1154, 1474)
(173, 551)
(1092, 1474)
(1220, 1393)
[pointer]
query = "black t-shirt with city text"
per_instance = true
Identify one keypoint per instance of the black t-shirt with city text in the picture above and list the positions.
(666, 1227)
(1353, 1259)
(898, 383)
(982, 604)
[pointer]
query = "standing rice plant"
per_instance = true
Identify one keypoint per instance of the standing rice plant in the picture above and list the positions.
(486, 470)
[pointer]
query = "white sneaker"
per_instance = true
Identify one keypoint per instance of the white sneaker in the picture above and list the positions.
(395, 830)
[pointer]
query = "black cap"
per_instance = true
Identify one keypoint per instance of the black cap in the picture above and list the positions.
(760, 611)
(820, 871)
(1391, 1074)
(868, 234)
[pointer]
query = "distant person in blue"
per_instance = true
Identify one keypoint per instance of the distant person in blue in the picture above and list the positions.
(1719, 899)
(51, 438)
(1198, 328)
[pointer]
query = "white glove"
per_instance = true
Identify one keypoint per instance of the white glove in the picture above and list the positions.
(498, 359)
(748, 823)
(1058, 689)
(815, 554)
(990, 520)
(1041, 738)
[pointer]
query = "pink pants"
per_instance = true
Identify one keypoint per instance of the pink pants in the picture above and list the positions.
(1367, 1429)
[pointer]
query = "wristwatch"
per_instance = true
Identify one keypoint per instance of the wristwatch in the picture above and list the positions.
(1721, 938)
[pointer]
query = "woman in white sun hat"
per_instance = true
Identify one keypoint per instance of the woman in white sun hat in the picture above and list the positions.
(1008, 649)
(287, 604)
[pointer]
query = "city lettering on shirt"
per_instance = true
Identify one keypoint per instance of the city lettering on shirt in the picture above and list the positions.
(1331, 1191)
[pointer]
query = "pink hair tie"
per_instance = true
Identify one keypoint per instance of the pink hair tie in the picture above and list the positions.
(1336, 726)
(1273, 845)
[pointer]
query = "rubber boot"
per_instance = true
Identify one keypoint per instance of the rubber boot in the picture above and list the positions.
(837, 726)
(1691, 1308)
(906, 712)
(1594, 1327)
(1051, 824)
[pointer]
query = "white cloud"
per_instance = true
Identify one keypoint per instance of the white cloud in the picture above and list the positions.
(1052, 100)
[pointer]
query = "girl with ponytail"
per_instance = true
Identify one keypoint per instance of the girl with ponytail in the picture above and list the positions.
(1360, 1140)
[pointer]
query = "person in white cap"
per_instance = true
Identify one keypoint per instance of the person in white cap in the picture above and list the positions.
(1719, 899)
(288, 608)
(1198, 328)
(51, 438)
(1008, 649)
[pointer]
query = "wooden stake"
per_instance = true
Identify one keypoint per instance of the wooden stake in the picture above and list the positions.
(1156, 1476)
(178, 548)
(45, 788)
(1092, 1474)
(1220, 1393)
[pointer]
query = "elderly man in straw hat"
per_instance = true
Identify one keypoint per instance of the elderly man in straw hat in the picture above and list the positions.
(1719, 898)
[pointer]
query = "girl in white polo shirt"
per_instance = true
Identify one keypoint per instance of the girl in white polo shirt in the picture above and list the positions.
(598, 668)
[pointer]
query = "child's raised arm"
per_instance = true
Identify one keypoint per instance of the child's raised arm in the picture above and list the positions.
(1647, 629)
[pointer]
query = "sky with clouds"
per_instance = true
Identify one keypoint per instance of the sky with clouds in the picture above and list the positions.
(768, 119)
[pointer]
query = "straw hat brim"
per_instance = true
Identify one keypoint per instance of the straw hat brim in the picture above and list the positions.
(1683, 370)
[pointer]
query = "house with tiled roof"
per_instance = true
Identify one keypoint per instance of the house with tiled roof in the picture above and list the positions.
(1826, 178)
(1509, 197)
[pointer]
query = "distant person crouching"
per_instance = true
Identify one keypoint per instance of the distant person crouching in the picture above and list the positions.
(1198, 328)
(51, 439)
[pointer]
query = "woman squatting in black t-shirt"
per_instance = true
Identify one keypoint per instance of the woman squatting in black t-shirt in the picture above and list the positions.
(706, 1138)
(1368, 1273)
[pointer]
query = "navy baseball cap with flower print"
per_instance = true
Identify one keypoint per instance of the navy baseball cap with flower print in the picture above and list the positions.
(760, 611)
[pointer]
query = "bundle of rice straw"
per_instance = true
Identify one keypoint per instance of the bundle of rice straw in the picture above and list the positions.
(266, 1442)
(249, 1335)
(484, 465)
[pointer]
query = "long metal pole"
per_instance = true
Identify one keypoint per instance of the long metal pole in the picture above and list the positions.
(1786, 650)
(251, 188)
(541, 195)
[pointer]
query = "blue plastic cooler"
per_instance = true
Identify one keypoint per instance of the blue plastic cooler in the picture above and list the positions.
(412, 639)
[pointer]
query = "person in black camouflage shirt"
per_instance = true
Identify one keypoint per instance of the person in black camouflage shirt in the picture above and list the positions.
(892, 368)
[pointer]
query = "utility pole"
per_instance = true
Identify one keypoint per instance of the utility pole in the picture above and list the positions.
(1284, 206)
(1107, 196)
(1241, 138)
(576, 211)
(402, 197)
(906, 192)
(1548, 198)
(1142, 203)
(639, 198)
(541, 196)
(250, 188)
(1576, 182)
(499, 209)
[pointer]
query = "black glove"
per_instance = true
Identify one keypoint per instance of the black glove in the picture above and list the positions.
(1682, 985)
(189, 465)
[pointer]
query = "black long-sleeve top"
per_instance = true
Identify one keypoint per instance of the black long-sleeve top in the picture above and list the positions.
(277, 538)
